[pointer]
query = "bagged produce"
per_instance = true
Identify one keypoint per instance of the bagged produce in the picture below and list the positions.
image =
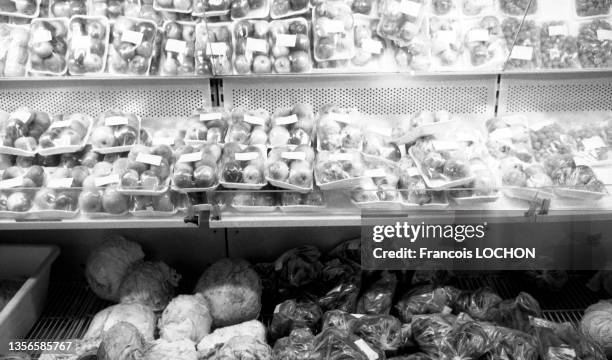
(121, 342)
(559, 341)
(140, 316)
(468, 340)
(415, 356)
(377, 299)
(333, 344)
(511, 344)
(186, 317)
(339, 129)
(214, 341)
(515, 313)
(477, 303)
(428, 331)
(242, 348)
(382, 332)
(426, 300)
(132, 41)
(345, 283)
(597, 324)
(299, 266)
(107, 265)
(338, 319)
(602, 280)
(149, 283)
(175, 350)
(349, 250)
(292, 314)
(233, 290)
(297, 346)
(432, 277)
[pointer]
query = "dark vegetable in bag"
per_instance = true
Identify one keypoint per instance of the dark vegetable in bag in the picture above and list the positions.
(333, 344)
(477, 303)
(416, 356)
(378, 298)
(299, 266)
(349, 250)
(338, 319)
(515, 313)
(560, 341)
(433, 277)
(425, 300)
(345, 281)
(382, 332)
(297, 346)
(511, 344)
(428, 331)
(292, 314)
(468, 340)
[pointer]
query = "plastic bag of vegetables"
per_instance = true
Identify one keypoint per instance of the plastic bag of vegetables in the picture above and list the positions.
(292, 314)
(425, 300)
(515, 313)
(478, 303)
(299, 266)
(511, 344)
(597, 324)
(378, 297)
(345, 281)
(297, 346)
(433, 277)
(338, 319)
(333, 344)
(428, 331)
(560, 341)
(349, 250)
(382, 332)
(467, 340)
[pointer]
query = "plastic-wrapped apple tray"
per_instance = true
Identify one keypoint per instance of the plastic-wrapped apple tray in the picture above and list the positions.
(160, 190)
(20, 15)
(68, 149)
(339, 184)
(123, 148)
(425, 130)
(286, 185)
(525, 193)
(439, 184)
(29, 68)
(260, 13)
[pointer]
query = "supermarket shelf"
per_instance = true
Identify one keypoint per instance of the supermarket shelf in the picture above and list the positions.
(85, 223)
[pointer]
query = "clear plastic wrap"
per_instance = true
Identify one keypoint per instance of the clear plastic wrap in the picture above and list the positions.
(548, 138)
(378, 298)
(196, 168)
(291, 168)
(333, 25)
(485, 44)
(559, 48)
(20, 131)
(525, 51)
(339, 129)
(518, 7)
(482, 189)
(286, 8)
(333, 344)
(401, 20)
(206, 125)
(429, 331)
(526, 181)
(381, 332)
(242, 167)
(588, 8)
(339, 320)
(214, 48)
(426, 300)
(249, 9)
(290, 41)
(312, 201)
(574, 181)
(68, 8)
(21, 9)
(292, 126)
(88, 47)
(338, 170)
(594, 43)
(131, 46)
(115, 131)
(177, 56)
(378, 187)
(511, 344)
(508, 136)
(148, 170)
(114, 8)
(423, 123)
(372, 52)
(478, 304)
(174, 6)
(65, 134)
(297, 346)
(14, 44)
(298, 267)
(153, 206)
(254, 202)
(446, 34)
(515, 313)
(294, 314)
(341, 285)
(413, 189)
(378, 144)
(349, 250)
(467, 340)
(249, 127)
(252, 48)
(48, 46)
(558, 341)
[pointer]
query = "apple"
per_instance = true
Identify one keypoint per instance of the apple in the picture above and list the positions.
(36, 174)
(138, 65)
(96, 30)
(18, 202)
(45, 199)
(114, 9)
(258, 136)
(298, 27)
(239, 8)
(252, 175)
(125, 135)
(260, 29)
(164, 151)
(308, 151)
(90, 159)
(279, 51)
(188, 33)
(61, 9)
(130, 179)
(102, 168)
(305, 115)
(300, 61)
(173, 30)
(49, 161)
(242, 64)
(149, 180)
(42, 49)
(163, 202)
(145, 49)
(66, 200)
(182, 5)
(196, 130)
(90, 201)
(77, 7)
(162, 171)
(299, 137)
(262, 64)
(230, 149)
(126, 50)
(239, 133)
(301, 176)
(182, 176)
(325, 48)
(12, 172)
(78, 174)
(25, 143)
(55, 63)
(69, 160)
(279, 135)
(302, 42)
(61, 173)
(282, 65)
(113, 201)
(146, 29)
(205, 176)
(232, 172)
(278, 170)
(182, 150)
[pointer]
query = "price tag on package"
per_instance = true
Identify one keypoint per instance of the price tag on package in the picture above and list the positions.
(446, 36)
(522, 53)
(216, 49)
(132, 37)
(246, 156)
(211, 116)
(375, 173)
(41, 35)
(333, 26)
(115, 121)
(413, 172)
(191, 157)
(163, 140)
(61, 183)
(554, 53)
(441, 145)
(107, 180)
(557, 30)
(537, 126)
(286, 40)
(21, 115)
(286, 120)
(256, 45)
(366, 349)
(604, 35)
(80, 42)
(254, 120)
(411, 8)
(593, 143)
(341, 118)
(381, 130)
(11, 183)
(371, 46)
(293, 155)
(341, 157)
(60, 124)
(176, 46)
(478, 35)
(150, 159)
(501, 134)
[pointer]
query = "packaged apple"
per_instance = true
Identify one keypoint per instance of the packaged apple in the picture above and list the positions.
(48, 46)
(401, 20)
(173, 6)
(210, 8)
(333, 25)
(88, 47)
(413, 190)
(114, 9)
(21, 130)
(15, 203)
(484, 187)
(415, 54)
(524, 47)
(524, 181)
(371, 51)
(291, 167)
(508, 136)
(446, 34)
(578, 182)
(178, 49)
(424, 123)
(477, 7)
(558, 46)
(153, 206)
(149, 171)
(213, 48)
(252, 47)
(242, 166)
(592, 135)
(249, 9)
(206, 125)
(290, 45)
(104, 202)
(66, 134)
(378, 188)
(260, 201)
(339, 169)
(292, 126)
(378, 144)
(248, 127)
(100, 196)
(196, 168)
(131, 46)
(14, 53)
(115, 131)
(20, 9)
(548, 138)
(67, 8)
(595, 43)
(339, 129)
(302, 202)
(591, 8)
(485, 43)
(55, 204)
(287, 8)
(518, 7)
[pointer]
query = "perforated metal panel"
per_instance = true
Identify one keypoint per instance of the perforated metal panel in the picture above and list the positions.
(148, 97)
(383, 94)
(555, 92)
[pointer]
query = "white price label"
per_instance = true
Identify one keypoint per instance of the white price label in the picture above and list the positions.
(446, 36)
(150, 159)
(413, 172)
(593, 143)
(21, 115)
(375, 173)
(247, 156)
(80, 42)
(11, 183)
(293, 155)
(216, 49)
(357, 316)
(541, 322)
(106, 180)
(163, 140)
(341, 118)
(478, 35)
(366, 349)
(441, 145)
(541, 124)
(381, 130)
(341, 157)
(515, 120)
(176, 46)
(211, 116)
(60, 124)
(286, 120)
(446, 310)
(116, 121)
(277, 308)
(132, 37)
(333, 26)
(372, 46)
(522, 52)
(256, 45)
(255, 120)
(500, 134)
(554, 53)
(59, 183)
(41, 36)
(411, 8)
(557, 30)
(191, 157)
(604, 35)
(286, 40)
